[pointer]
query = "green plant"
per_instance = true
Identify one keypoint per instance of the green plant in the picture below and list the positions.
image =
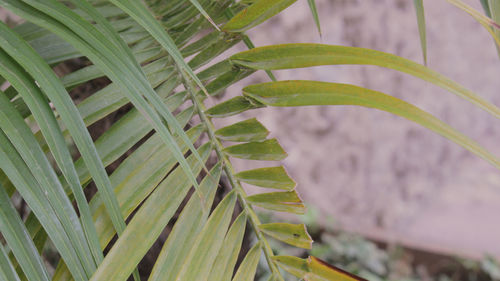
(141, 47)
(376, 262)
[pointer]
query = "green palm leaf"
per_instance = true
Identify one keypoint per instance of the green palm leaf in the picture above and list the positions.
(20, 175)
(18, 239)
(7, 270)
(314, 12)
(419, 8)
(306, 55)
(151, 152)
(147, 224)
(20, 50)
(32, 95)
(304, 93)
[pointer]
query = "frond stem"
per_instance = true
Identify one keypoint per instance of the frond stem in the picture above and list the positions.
(229, 171)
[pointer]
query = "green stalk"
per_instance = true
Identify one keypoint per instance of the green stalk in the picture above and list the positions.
(240, 192)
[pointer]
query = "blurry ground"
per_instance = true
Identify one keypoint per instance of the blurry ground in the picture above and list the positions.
(378, 174)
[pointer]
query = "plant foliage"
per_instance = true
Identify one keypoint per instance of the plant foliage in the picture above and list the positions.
(142, 47)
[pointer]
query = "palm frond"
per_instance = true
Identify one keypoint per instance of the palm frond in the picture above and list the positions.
(153, 161)
(419, 9)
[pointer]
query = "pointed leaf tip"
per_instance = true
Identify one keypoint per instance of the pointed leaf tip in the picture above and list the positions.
(269, 150)
(272, 177)
(226, 259)
(204, 13)
(314, 12)
(293, 234)
(255, 14)
(248, 267)
(419, 9)
(321, 270)
(244, 131)
(288, 201)
(314, 269)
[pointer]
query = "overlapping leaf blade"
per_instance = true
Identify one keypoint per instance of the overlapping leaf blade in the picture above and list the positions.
(226, 259)
(490, 25)
(248, 267)
(231, 107)
(52, 87)
(303, 93)
(134, 182)
(147, 224)
(306, 55)
(14, 128)
(185, 231)
(42, 112)
(7, 270)
(255, 14)
(17, 171)
(18, 239)
(135, 179)
(130, 79)
(203, 12)
(139, 12)
(486, 7)
(199, 262)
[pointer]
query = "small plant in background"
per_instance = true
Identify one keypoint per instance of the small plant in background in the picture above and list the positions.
(155, 185)
(379, 261)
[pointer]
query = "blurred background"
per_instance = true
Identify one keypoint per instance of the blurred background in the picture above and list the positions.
(380, 176)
